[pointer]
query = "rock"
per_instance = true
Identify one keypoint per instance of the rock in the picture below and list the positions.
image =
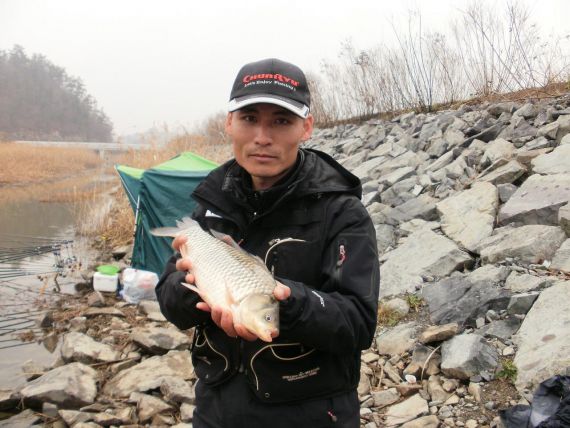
(565, 140)
(506, 191)
(385, 398)
(187, 412)
(549, 131)
(543, 340)
(435, 390)
(177, 390)
(385, 237)
(73, 417)
(439, 333)
(82, 348)
(497, 149)
(532, 244)
(475, 390)
(151, 309)
(424, 356)
(537, 201)
(397, 340)
(521, 303)
(463, 299)
(564, 218)
(148, 406)
(397, 175)
(423, 253)
(507, 173)
(160, 340)
(32, 370)
(8, 399)
(501, 329)
(405, 411)
(365, 170)
(424, 422)
(70, 386)
(399, 306)
(563, 127)
(96, 299)
(469, 216)
(466, 355)
(522, 282)
(93, 312)
(527, 111)
(78, 324)
(561, 260)
(422, 207)
(149, 374)
(556, 162)
(499, 108)
(25, 419)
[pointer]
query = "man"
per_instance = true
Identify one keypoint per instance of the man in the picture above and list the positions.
(327, 285)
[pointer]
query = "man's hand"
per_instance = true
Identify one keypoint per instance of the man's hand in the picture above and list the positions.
(183, 264)
(224, 319)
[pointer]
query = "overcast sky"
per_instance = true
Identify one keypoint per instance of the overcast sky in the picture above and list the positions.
(149, 62)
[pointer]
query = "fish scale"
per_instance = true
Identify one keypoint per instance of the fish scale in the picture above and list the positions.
(240, 273)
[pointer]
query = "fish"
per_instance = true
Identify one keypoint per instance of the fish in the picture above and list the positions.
(229, 277)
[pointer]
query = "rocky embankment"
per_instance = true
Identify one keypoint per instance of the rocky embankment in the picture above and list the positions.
(472, 219)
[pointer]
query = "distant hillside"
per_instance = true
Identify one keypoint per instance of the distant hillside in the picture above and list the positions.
(38, 100)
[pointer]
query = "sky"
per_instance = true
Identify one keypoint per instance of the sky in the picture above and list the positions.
(150, 62)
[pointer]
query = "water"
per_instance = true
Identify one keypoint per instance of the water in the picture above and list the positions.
(25, 299)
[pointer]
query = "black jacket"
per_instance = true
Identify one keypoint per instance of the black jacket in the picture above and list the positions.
(334, 279)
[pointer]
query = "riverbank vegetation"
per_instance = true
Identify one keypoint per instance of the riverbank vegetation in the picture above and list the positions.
(27, 164)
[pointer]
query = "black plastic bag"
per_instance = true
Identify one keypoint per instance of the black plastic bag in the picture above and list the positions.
(550, 407)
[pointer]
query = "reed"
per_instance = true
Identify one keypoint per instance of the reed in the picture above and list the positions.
(25, 164)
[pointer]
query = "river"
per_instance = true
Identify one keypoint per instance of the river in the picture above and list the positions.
(47, 228)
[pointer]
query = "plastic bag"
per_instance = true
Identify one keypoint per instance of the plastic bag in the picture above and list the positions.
(138, 285)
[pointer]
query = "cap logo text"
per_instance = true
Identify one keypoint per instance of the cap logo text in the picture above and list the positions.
(279, 77)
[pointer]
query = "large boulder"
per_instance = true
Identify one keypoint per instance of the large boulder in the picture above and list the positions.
(531, 244)
(555, 162)
(159, 340)
(537, 201)
(468, 217)
(543, 340)
(71, 386)
(150, 374)
(82, 348)
(423, 253)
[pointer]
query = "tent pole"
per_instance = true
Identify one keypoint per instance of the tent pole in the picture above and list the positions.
(137, 215)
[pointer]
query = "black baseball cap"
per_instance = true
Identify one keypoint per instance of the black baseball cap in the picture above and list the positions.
(271, 81)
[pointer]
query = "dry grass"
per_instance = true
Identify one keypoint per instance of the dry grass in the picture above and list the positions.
(25, 164)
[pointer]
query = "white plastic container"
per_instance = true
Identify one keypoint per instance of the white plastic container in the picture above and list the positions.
(108, 283)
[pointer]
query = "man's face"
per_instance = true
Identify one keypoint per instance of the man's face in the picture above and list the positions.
(265, 140)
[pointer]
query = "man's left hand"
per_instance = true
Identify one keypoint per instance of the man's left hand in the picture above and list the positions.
(223, 317)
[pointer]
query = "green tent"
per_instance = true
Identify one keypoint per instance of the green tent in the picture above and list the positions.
(159, 196)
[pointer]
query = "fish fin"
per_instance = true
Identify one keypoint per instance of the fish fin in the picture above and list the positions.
(165, 231)
(193, 288)
(226, 238)
(186, 223)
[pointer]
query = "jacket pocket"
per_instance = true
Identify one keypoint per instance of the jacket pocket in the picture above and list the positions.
(283, 372)
(214, 357)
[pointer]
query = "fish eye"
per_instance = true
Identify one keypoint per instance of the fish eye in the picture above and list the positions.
(268, 317)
